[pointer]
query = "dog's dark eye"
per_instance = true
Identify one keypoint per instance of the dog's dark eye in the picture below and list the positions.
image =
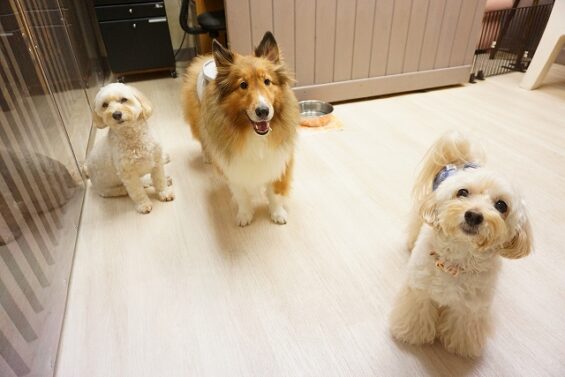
(105, 105)
(501, 206)
(123, 100)
(243, 85)
(267, 82)
(463, 193)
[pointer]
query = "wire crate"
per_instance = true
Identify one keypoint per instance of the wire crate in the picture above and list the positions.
(509, 39)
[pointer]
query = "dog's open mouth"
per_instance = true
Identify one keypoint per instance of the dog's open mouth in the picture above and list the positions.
(261, 128)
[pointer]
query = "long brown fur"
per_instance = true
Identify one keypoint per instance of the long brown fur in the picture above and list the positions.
(225, 123)
(190, 101)
(222, 111)
(283, 185)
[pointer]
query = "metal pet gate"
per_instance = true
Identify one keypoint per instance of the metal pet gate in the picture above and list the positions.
(509, 39)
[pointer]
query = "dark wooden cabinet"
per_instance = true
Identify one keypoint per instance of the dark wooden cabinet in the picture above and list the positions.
(136, 35)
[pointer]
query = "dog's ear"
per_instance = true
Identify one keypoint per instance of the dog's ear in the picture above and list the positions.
(222, 56)
(268, 48)
(97, 121)
(146, 107)
(428, 209)
(521, 244)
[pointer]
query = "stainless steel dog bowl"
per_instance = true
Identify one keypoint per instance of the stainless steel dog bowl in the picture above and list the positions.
(315, 113)
(314, 108)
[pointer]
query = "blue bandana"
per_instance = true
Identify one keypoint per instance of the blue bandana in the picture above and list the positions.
(450, 170)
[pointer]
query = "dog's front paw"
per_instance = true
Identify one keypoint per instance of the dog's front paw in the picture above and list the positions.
(144, 207)
(279, 215)
(413, 331)
(461, 343)
(244, 218)
(462, 333)
(167, 195)
(413, 318)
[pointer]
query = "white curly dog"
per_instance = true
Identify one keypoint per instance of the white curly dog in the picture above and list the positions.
(128, 151)
(465, 217)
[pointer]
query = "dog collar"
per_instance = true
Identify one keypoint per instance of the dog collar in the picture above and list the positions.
(449, 170)
(450, 268)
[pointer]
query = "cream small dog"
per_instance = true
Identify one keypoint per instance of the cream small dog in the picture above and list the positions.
(466, 216)
(128, 151)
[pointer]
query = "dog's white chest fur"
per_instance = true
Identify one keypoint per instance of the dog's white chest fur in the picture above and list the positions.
(114, 155)
(469, 289)
(258, 163)
(137, 152)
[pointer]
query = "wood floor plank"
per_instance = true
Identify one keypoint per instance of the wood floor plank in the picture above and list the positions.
(184, 292)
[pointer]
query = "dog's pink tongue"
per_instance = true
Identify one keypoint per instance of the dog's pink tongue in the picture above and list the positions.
(261, 127)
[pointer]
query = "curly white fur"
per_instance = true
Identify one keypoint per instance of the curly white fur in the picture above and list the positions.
(453, 267)
(129, 150)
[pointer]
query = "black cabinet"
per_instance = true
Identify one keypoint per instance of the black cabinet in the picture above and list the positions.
(136, 35)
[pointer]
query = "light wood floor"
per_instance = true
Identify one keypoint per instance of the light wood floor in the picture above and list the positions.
(184, 292)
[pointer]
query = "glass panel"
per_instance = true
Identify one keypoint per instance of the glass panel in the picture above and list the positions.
(44, 128)
(62, 49)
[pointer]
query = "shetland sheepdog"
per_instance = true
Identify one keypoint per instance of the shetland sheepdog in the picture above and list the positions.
(246, 121)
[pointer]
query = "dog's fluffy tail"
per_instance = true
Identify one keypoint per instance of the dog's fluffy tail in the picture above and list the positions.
(453, 147)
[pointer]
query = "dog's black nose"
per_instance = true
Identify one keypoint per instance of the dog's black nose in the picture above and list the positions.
(262, 112)
(117, 115)
(473, 218)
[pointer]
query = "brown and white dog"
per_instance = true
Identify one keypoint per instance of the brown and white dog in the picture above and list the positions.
(246, 121)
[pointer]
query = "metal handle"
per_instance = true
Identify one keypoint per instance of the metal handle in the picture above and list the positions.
(158, 6)
(130, 11)
(134, 26)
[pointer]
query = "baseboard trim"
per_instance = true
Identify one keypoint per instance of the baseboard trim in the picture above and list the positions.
(377, 86)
